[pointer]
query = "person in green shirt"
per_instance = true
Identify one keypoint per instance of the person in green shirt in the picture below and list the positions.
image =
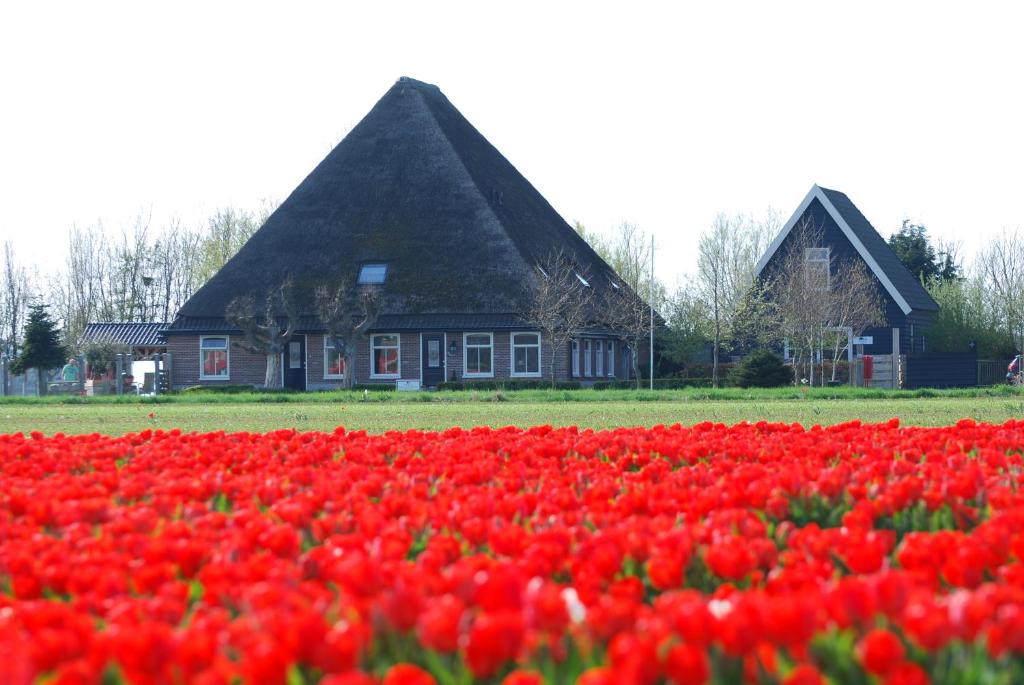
(69, 374)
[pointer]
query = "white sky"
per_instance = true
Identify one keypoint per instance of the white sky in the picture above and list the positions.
(662, 115)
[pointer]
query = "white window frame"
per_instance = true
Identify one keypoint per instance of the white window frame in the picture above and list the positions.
(202, 360)
(611, 359)
(574, 347)
(466, 373)
(826, 260)
(373, 366)
(512, 348)
(588, 362)
(337, 376)
(599, 359)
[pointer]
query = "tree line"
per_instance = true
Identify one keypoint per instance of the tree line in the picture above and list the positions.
(727, 309)
(140, 272)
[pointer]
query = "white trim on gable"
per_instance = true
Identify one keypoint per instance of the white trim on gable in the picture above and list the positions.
(817, 193)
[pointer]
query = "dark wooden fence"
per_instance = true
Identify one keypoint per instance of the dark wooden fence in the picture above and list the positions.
(942, 370)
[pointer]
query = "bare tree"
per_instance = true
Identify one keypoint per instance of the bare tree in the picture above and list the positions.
(1001, 264)
(800, 288)
(626, 314)
(265, 335)
(226, 232)
(127, 271)
(174, 269)
(727, 255)
(82, 291)
(821, 301)
(12, 300)
(561, 303)
(347, 312)
(628, 252)
(14, 294)
(855, 305)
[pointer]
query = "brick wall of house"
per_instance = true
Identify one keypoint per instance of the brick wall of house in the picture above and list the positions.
(408, 360)
(244, 367)
(248, 368)
(315, 366)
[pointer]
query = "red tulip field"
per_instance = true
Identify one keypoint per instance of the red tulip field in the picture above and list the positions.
(757, 553)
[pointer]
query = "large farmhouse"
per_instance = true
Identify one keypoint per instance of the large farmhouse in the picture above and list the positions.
(415, 202)
(845, 234)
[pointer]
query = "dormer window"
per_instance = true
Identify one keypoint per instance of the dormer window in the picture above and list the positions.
(372, 274)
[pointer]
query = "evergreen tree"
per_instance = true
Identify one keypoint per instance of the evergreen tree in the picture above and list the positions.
(42, 348)
(914, 248)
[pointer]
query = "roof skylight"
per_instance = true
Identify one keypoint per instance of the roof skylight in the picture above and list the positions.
(584, 281)
(372, 274)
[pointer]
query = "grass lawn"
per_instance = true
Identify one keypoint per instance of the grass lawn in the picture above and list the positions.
(436, 411)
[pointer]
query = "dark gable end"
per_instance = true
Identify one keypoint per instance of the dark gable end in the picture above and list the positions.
(832, 208)
(417, 187)
(913, 292)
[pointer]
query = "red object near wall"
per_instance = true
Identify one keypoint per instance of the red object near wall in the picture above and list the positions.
(869, 367)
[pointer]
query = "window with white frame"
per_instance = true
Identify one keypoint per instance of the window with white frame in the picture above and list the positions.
(587, 363)
(598, 358)
(213, 358)
(611, 358)
(816, 267)
(575, 353)
(334, 362)
(478, 351)
(526, 354)
(385, 355)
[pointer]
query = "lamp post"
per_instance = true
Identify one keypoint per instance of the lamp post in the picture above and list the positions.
(650, 299)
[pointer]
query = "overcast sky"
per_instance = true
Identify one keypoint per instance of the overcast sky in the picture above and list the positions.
(654, 114)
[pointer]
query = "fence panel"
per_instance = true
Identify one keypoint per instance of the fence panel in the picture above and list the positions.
(942, 370)
(991, 371)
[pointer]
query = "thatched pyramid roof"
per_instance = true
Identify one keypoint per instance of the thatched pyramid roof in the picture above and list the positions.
(416, 187)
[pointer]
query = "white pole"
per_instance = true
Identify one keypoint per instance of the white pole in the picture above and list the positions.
(650, 297)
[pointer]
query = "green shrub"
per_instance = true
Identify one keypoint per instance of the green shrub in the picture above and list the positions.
(762, 369)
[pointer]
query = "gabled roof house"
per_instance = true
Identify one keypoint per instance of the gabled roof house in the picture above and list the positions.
(416, 201)
(847, 234)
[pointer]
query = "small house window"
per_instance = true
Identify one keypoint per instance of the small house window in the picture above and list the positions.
(213, 358)
(372, 274)
(525, 354)
(334, 363)
(599, 358)
(384, 356)
(611, 358)
(575, 358)
(817, 267)
(479, 354)
(586, 358)
(585, 282)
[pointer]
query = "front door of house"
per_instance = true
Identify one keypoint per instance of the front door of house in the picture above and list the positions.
(432, 359)
(295, 363)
